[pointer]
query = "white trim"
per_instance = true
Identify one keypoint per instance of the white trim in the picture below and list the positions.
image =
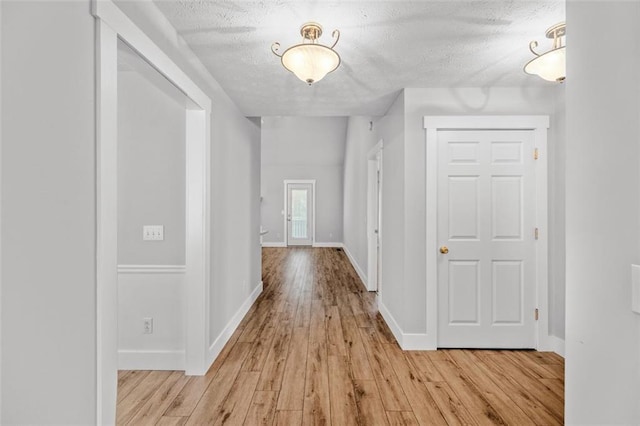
(112, 24)
(106, 223)
(478, 122)
(539, 124)
(328, 245)
(152, 269)
(0, 216)
(357, 267)
(407, 341)
(391, 322)
(151, 360)
(556, 344)
(276, 244)
(286, 207)
(216, 347)
(374, 165)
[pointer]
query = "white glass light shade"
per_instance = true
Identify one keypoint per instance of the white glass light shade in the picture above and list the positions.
(550, 66)
(310, 62)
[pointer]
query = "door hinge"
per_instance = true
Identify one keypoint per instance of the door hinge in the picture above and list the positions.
(535, 315)
(536, 233)
(535, 154)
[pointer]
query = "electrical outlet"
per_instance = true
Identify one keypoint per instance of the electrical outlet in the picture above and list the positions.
(147, 327)
(153, 233)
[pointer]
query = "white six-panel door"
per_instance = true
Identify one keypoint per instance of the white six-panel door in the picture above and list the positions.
(486, 232)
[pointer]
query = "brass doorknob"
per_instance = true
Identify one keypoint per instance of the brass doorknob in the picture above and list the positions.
(444, 249)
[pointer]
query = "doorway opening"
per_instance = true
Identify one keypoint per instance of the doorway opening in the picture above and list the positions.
(113, 25)
(299, 208)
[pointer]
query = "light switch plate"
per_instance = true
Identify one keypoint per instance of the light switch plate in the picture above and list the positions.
(635, 288)
(153, 232)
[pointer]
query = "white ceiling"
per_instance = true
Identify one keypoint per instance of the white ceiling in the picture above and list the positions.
(385, 46)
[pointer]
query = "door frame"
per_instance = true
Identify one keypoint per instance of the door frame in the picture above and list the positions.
(286, 208)
(539, 124)
(112, 24)
(374, 266)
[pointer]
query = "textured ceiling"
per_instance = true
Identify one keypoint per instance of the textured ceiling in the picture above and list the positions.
(385, 46)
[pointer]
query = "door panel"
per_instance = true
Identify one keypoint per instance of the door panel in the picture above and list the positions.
(299, 214)
(486, 280)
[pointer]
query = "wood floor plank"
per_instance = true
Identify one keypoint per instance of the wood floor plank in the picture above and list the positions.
(317, 406)
(235, 407)
(313, 349)
(534, 388)
(490, 390)
(219, 388)
(402, 418)
(172, 421)
(129, 382)
(136, 399)
(262, 409)
(341, 393)
(370, 408)
(151, 412)
(449, 404)
(185, 402)
(291, 395)
(555, 385)
(471, 398)
(335, 338)
(423, 364)
(273, 369)
(391, 392)
(421, 401)
(288, 418)
(534, 409)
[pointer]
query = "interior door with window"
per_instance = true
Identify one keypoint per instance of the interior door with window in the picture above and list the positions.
(299, 214)
(486, 230)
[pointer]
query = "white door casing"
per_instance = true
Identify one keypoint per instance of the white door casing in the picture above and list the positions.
(486, 277)
(538, 125)
(113, 24)
(374, 215)
(299, 212)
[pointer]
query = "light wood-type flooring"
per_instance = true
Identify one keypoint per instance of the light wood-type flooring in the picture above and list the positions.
(314, 350)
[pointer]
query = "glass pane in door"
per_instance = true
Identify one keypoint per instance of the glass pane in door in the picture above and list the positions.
(299, 213)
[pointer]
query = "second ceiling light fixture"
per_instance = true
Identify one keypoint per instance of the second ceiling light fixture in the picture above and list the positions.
(309, 60)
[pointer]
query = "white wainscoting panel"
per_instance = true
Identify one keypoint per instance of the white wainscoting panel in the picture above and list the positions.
(151, 291)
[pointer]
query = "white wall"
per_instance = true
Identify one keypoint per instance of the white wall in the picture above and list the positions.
(303, 148)
(403, 227)
(151, 191)
(392, 132)
(359, 141)
(603, 212)
(48, 213)
(235, 181)
(151, 172)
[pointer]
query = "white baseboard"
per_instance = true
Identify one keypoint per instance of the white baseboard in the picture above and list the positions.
(361, 274)
(151, 360)
(391, 322)
(328, 245)
(227, 332)
(276, 244)
(407, 341)
(557, 345)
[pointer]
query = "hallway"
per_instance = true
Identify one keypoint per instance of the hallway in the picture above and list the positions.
(314, 350)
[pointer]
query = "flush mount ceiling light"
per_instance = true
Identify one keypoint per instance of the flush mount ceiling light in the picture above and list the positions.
(550, 65)
(309, 60)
